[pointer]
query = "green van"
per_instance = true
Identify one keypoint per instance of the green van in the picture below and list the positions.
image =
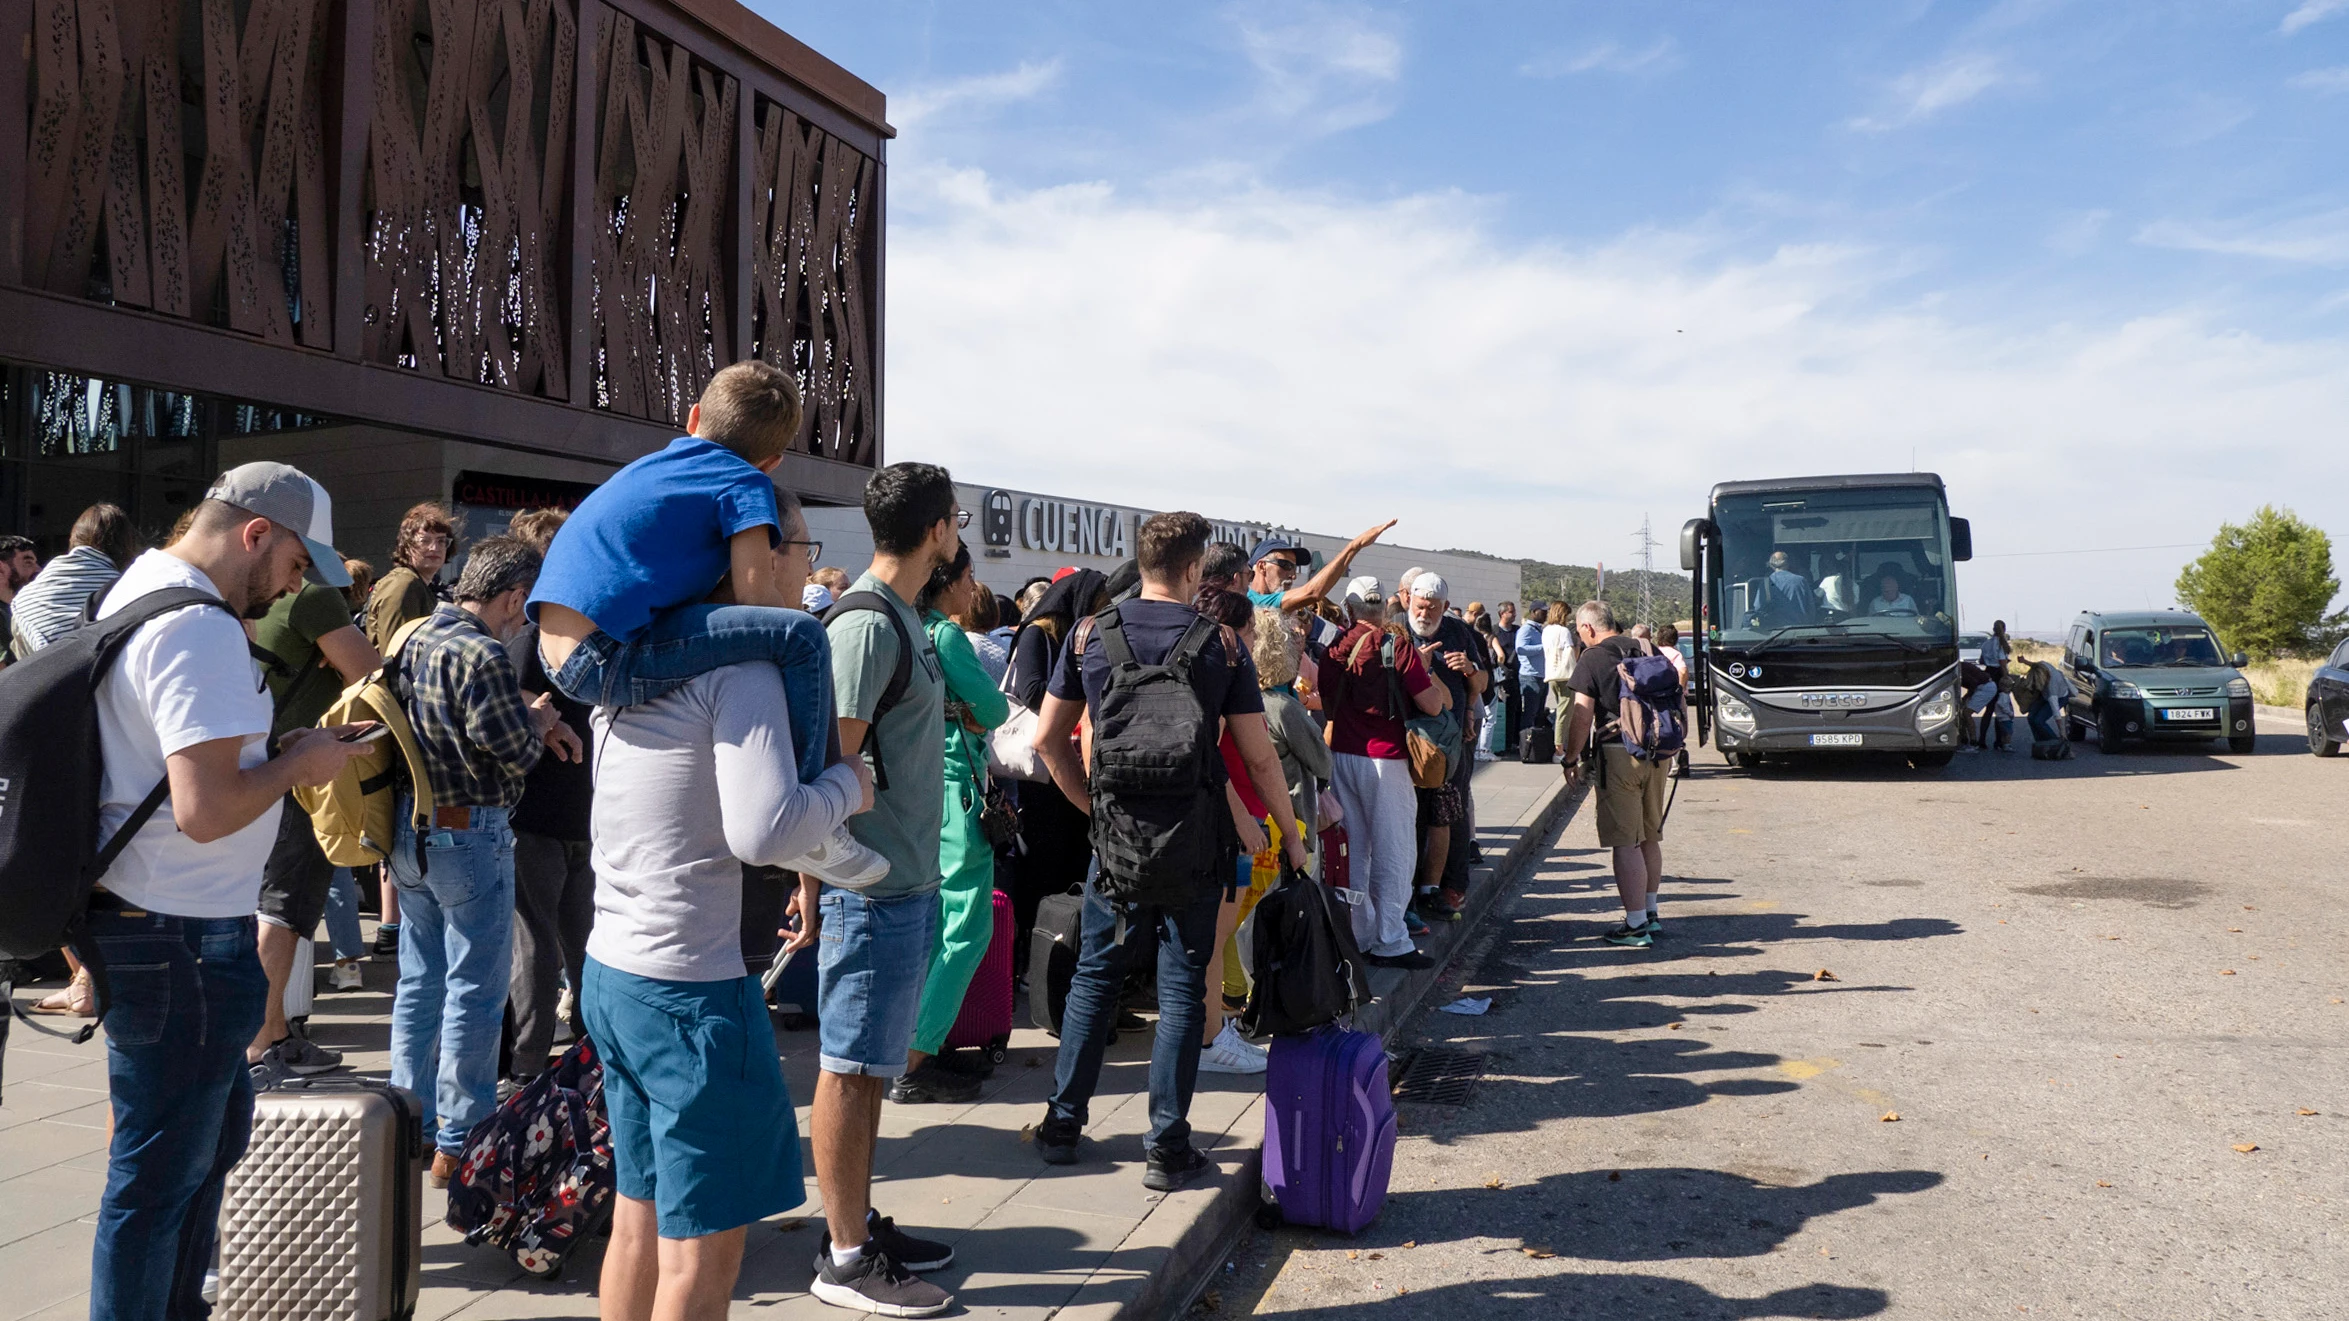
(2155, 675)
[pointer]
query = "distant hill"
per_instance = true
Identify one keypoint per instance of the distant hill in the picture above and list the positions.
(1576, 583)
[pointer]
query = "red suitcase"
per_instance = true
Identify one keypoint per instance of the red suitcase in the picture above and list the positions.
(1336, 868)
(985, 1021)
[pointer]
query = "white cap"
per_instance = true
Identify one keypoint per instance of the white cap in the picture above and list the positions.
(814, 597)
(1432, 586)
(1364, 589)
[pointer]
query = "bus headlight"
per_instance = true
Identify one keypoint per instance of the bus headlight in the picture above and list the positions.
(1736, 715)
(1938, 709)
(2238, 687)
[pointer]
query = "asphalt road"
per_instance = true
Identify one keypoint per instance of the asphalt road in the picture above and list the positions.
(2082, 987)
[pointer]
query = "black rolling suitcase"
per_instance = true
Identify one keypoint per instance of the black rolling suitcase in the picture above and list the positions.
(1052, 957)
(1537, 745)
(323, 1216)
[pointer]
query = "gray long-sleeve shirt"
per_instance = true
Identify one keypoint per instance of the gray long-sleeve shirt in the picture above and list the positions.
(688, 787)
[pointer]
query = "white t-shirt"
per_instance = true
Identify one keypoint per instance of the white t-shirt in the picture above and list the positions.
(183, 679)
(688, 787)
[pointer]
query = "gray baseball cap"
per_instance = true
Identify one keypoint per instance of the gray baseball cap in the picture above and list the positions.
(287, 496)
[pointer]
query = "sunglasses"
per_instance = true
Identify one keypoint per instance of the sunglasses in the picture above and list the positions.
(815, 549)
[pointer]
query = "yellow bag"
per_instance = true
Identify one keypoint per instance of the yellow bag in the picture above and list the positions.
(353, 814)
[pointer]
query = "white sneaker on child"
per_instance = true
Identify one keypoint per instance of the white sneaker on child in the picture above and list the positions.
(1232, 1053)
(840, 860)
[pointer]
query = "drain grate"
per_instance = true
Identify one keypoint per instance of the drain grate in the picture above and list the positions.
(1440, 1077)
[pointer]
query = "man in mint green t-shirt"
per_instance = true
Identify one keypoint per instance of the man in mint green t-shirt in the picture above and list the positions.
(873, 942)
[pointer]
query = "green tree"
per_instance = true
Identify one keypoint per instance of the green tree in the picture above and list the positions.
(2264, 585)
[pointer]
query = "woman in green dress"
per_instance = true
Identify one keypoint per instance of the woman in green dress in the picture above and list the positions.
(966, 861)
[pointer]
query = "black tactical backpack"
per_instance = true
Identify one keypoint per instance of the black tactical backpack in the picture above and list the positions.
(1160, 826)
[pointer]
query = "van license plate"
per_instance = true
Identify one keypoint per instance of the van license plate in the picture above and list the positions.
(1835, 740)
(2188, 713)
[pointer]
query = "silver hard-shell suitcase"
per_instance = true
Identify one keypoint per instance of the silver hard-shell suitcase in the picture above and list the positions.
(323, 1217)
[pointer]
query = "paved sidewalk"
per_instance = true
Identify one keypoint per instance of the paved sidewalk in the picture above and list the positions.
(1031, 1240)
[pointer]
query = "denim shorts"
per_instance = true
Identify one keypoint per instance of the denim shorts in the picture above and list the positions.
(871, 958)
(702, 1125)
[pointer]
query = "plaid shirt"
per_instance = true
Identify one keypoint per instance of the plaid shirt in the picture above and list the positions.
(471, 721)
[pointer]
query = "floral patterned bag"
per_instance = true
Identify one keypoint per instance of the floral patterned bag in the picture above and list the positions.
(535, 1177)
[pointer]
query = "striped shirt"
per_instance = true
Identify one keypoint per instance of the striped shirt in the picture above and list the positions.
(471, 721)
(50, 606)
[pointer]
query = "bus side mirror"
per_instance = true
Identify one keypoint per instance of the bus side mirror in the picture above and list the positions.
(1692, 536)
(1961, 539)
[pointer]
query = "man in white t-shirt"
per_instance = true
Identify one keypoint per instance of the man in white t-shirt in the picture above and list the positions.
(173, 917)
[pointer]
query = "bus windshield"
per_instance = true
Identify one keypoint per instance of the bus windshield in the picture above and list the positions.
(1835, 563)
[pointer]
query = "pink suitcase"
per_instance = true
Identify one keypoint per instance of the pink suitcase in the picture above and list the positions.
(985, 1021)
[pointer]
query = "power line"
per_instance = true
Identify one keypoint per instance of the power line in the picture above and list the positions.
(2093, 550)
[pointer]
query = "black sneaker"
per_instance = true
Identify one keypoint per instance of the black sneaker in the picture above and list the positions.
(1056, 1140)
(931, 1085)
(1630, 937)
(387, 939)
(915, 1254)
(1415, 959)
(875, 1282)
(1165, 1171)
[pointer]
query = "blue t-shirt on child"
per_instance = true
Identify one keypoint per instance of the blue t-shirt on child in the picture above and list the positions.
(654, 537)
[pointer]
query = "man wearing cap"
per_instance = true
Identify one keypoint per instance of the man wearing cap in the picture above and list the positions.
(184, 705)
(1278, 559)
(1447, 821)
(478, 737)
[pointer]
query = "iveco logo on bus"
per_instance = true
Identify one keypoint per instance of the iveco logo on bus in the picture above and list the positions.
(1831, 701)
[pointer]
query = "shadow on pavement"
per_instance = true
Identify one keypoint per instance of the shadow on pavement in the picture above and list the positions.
(1621, 1297)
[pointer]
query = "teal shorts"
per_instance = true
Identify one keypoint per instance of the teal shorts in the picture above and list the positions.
(702, 1125)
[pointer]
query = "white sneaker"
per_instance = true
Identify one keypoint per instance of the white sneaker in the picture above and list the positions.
(344, 976)
(1232, 1053)
(840, 860)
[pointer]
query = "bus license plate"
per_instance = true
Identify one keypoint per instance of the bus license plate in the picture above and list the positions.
(1835, 740)
(2188, 713)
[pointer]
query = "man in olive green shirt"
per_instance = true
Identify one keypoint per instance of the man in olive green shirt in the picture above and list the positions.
(321, 652)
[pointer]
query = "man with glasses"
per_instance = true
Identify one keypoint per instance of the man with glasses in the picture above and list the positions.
(18, 564)
(183, 703)
(1277, 560)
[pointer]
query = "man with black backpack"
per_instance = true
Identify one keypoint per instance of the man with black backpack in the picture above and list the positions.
(1632, 785)
(183, 728)
(889, 694)
(1158, 683)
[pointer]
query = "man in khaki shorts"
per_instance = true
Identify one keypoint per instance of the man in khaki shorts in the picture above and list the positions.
(1630, 791)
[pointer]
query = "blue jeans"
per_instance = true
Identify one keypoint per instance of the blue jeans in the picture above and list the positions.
(185, 997)
(696, 639)
(2043, 722)
(456, 957)
(1186, 942)
(872, 956)
(342, 916)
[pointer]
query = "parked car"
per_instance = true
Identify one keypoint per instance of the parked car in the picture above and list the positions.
(1970, 647)
(2155, 675)
(2328, 704)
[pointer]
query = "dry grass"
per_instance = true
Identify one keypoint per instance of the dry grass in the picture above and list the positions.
(2281, 682)
(2026, 649)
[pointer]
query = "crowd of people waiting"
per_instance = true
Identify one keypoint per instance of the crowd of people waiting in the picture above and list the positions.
(653, 722)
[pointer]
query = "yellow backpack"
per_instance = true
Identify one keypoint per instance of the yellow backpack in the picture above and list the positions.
(354, 814)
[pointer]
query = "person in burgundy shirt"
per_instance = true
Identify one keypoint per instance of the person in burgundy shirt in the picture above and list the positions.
(1371, 766)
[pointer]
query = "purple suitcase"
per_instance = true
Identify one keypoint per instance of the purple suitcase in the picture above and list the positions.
(1329, 1129)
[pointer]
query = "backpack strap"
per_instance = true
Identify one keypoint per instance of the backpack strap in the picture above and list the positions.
(900, 678)
(1112, 627)
(1193, 642)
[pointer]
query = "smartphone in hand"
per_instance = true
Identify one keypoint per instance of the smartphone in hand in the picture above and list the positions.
(367, 733)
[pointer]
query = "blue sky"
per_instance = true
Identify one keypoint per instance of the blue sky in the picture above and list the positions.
(1522, 273)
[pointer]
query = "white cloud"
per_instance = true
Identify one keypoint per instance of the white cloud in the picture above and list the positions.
(1324, 363)
(2318, 240)
(978, 92)
(2322, 81)
(1321, 66)
(2078, 231)
(2312, 11)
(1605, 57)
(1923, 93)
